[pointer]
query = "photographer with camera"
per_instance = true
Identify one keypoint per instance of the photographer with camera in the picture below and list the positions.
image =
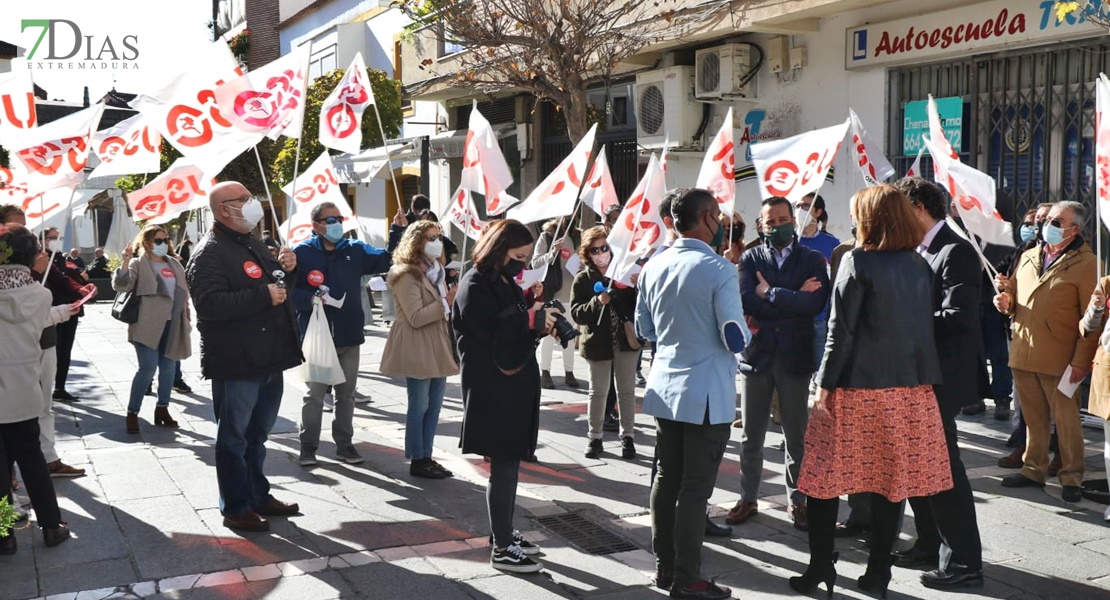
(605, 312)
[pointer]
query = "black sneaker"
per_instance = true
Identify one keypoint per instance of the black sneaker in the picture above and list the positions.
(594, 449)
(1002, 409)
(182, 387)
(525, 546)
(628, 449)
(974, 409)
(513, 560)
(1072, 494)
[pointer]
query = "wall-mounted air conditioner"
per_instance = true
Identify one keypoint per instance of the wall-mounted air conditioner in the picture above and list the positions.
(665, 107)
(721, 71)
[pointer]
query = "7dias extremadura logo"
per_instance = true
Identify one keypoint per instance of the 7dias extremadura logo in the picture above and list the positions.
(68, 48)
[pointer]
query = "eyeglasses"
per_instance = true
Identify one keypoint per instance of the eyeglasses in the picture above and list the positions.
(1059, 223)
(599, 249)
(160, 241)
(330, 220)
(242, 199)
(431, 238)
(805, 207)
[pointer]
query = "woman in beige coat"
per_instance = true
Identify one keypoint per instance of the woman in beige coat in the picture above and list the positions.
(1094, 323)
(419, 344)
(161, 334)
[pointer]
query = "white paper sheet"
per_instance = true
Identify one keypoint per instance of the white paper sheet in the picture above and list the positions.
(1066, 387)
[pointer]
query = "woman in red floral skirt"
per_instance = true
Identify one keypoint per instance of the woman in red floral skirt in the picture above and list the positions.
(876, 426)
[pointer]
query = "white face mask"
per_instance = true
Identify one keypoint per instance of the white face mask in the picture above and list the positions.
(54, 245)
(251, 212)
(434, 249)
(601, 261)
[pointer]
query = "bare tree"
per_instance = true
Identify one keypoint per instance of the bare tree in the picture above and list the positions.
(554, 48)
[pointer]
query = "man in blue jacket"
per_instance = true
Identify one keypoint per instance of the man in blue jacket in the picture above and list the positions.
(689, 305)
(784, 285)
(329, 259)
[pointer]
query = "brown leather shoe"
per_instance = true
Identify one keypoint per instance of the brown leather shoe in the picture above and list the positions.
(132, 423)
(247, 521)
(53, 536)
(800, 515)
(1055, 466)
(1014, 460)
(276, 508)
(162, 417)
(741, 512)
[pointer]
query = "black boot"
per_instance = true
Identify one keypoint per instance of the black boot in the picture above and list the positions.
(883, 533)
(822, 541)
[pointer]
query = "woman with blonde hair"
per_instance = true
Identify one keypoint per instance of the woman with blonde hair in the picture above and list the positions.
(419, 344)
(161, 335)
(876, 425)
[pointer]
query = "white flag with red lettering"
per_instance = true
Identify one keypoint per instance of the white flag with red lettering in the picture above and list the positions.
(1102, 147)
(797, 166)
(915, 168)
(17, 104)
(341, 113)
(130, 146)
(485, 170)
(184, 111)
(317, 184)
(639, 228)
(555, 196)
(463, 213)
(718, 168)
(14, 188)
(298, 228)
(874, 166)
(600, 193)
(182, 187)
(269, 100)
(973, 193)
(55, 154)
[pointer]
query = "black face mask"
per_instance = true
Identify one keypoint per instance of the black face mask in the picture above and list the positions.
(514, 268)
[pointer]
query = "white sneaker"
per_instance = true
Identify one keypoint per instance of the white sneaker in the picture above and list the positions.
(361, 398)
(513, 560)
(1106, 515)
(329, 403)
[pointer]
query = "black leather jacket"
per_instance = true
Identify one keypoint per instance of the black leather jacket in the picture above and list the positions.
(881, 328)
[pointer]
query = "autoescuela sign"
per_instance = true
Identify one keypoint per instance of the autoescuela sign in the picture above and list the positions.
(965, 30)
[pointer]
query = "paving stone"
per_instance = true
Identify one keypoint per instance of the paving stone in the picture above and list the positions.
(317, 586)
(387, 581)
(88, 576)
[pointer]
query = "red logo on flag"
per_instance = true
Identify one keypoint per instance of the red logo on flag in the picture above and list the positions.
(252, 269)
(315, 278)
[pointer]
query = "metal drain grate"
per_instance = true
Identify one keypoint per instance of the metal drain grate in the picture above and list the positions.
(585, 535)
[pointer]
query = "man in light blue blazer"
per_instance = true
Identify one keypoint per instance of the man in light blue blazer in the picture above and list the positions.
(689, 304)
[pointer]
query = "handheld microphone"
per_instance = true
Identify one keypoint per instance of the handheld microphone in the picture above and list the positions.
(279, 275)
(599, 287)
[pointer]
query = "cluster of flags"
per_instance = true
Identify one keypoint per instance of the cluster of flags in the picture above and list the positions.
(211, 112)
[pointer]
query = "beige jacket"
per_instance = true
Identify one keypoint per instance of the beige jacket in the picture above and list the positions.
(1047, 309)
(1094, 326)
(419, 344)
(156, 306)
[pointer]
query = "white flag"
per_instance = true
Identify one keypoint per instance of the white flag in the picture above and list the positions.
(463, 213)
(1102, 147)
(17, 104)
(639, 228)
(298, 227)
(718, 168)
(556, 194)
(341, 113)
(55, 154)
(915, 168)
(131, 146)
(185, 112)
(484, 168)
(874, 166)
(973, 193)
(600, 193)
(182, 187)
(269, 100)
(318, 184)
(797, 166)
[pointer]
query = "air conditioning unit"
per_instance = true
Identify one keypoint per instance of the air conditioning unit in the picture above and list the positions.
(720, 70)
(665, 107)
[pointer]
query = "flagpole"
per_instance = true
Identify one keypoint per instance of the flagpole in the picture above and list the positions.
(270, 198)
(389, 160)
(289, 202)
(631, 240)
(466, 237)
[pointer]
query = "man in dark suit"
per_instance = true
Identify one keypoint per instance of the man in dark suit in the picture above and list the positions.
(784, 285)
(948, 535)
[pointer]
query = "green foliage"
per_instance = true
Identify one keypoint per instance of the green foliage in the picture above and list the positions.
(7, 517)
(387, 95)
(4, 157)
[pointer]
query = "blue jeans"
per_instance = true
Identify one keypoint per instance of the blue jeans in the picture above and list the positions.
(149, 361)
(998, 353)
(246, 410)
(820, 332)
(425, 400)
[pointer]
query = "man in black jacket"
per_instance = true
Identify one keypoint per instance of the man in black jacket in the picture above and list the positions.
(948, 534)
(248, 337)
(784, 285)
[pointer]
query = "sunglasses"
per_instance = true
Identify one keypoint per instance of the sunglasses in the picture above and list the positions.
(160, 241)
(1059, 223)
(330, 220)
(431, 238)
(805, 207)
(599, 249)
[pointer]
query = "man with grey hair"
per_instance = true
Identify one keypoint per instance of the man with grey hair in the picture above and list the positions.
(1047, 297)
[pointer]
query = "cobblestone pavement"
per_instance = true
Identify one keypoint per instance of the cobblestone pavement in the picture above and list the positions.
(147, 525)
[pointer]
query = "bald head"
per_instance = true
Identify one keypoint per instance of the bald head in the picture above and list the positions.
(226, 201)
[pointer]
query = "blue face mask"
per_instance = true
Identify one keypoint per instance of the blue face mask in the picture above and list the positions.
(1028, 232)
(334, 232)
(1053, 235)
(160, 250)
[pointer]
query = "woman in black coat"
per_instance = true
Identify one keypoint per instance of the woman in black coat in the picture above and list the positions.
(496, 332)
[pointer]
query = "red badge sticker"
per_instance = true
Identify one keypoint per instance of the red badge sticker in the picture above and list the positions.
(565, 253)
(252, 269)
(315, 278)
(167, 272)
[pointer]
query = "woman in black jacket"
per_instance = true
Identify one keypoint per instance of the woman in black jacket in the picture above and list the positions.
(876, 426)
(496, 332)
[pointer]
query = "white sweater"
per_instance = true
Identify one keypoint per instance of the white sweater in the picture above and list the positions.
(24, 311)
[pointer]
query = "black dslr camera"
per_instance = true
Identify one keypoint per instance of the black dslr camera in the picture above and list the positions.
(563, 330)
